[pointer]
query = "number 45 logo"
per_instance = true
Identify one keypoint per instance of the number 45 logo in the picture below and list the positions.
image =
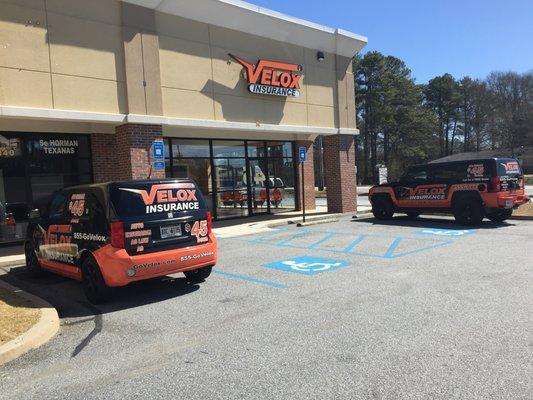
(199, 229)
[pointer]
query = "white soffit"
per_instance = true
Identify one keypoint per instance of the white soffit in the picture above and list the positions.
(255, 20)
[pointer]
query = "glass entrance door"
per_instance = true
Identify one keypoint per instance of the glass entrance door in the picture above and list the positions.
(259, 186)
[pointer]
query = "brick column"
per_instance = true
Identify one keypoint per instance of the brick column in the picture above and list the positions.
(103, 151)
(126, 154)
(339, 166)
(309, 172)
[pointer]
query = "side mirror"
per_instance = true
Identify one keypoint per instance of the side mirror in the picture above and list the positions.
(34, 214)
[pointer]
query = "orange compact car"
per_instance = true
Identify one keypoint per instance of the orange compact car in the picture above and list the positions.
(111, 234)
(471, 190)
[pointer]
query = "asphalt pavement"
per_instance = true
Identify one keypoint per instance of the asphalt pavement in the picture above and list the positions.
(355, 309)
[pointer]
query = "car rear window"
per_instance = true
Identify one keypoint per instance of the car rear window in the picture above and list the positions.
(508, 167)
(155, 199)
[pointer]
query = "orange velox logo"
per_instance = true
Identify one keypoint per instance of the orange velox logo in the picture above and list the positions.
(169, 197)
(272, 77)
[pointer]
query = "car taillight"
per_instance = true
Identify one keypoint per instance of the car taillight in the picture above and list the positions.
(495, 184)
(10, 219)
(117, 234)
(209, 222)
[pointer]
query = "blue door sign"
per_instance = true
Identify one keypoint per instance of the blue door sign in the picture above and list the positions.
(302, 152)
(159, 150)
(159, 165)
(307, 265)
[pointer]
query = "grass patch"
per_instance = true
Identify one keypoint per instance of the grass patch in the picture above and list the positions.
(17, 315)
(525, 210)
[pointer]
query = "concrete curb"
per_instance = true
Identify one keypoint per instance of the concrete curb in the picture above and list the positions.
(522, 217)
(317, 222)
(8, 261)
(40, 333)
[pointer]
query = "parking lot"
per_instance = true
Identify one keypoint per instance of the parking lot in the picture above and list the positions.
(356, 309)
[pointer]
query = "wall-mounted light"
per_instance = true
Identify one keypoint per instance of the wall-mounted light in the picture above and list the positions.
(320, 56)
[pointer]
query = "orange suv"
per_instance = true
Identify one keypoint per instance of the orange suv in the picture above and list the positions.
(471, 190)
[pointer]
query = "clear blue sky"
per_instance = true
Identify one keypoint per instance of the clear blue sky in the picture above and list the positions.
(462, 37)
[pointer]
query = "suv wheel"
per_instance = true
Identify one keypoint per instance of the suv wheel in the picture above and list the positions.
(93, 282)
(412, 215)
(468, 211)
(198, 275)
(382, 208)
(500, 215)
(32, 263)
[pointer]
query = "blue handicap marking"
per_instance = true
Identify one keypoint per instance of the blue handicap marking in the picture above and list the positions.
(446, 232)
(307, 265)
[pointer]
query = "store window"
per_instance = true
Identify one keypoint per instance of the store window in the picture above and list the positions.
(238, 178)
(32, 167)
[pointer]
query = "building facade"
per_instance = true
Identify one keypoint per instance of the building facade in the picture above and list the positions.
(89, 90)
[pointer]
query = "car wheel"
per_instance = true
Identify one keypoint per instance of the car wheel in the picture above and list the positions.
(198, 275)
(93, 282)
(32, 263)
(469, 211)
(412, 215)
(500, 215)
(382, 208)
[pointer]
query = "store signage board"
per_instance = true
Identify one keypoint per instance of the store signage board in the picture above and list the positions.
(273, 78)
(159, 150)
(302, 153)
(159, 165)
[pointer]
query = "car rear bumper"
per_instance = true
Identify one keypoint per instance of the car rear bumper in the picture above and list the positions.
(119, 268)
(505, 199)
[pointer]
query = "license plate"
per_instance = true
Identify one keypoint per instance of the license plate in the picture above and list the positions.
(508, 204)
(170, 231)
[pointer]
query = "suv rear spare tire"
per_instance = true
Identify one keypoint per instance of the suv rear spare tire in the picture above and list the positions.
(469, 211)
(382, 208)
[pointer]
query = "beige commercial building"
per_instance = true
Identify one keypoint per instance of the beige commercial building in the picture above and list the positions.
(88, 87)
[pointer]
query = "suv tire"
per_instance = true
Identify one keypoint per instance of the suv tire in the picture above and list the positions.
(468, 211)
(382, 208)
(500, 215)
(32, 263)
(94, 286)
(198, 275)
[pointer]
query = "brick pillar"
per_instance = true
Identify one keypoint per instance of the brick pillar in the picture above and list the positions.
(339, 166)
(309, 175)
(126, 154)
(104, 160)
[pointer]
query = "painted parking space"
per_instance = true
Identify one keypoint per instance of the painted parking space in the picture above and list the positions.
(368, 244)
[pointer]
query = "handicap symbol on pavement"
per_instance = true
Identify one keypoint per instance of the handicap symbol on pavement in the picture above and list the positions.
(308, 265)
(446, 232)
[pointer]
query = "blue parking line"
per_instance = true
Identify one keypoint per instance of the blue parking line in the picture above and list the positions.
(389, 253)
(285, 242)
(322, 240)
(354, 243)
(247, 278)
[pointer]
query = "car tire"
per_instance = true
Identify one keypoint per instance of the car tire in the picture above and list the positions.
(32, 263)
(469, 211)
(382, 208)
(412, 215)
(198, 275)
(500, 215)
(94, 286)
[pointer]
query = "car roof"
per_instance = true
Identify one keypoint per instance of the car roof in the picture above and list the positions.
(105, 185)
(470, 160)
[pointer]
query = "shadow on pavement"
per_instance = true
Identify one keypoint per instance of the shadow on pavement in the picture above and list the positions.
(66, 295)
(437, 222)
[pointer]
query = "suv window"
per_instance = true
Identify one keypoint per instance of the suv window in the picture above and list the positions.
(416, 175)
(449, 173)
(508, 167)
(57, 206)
(137, 200)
